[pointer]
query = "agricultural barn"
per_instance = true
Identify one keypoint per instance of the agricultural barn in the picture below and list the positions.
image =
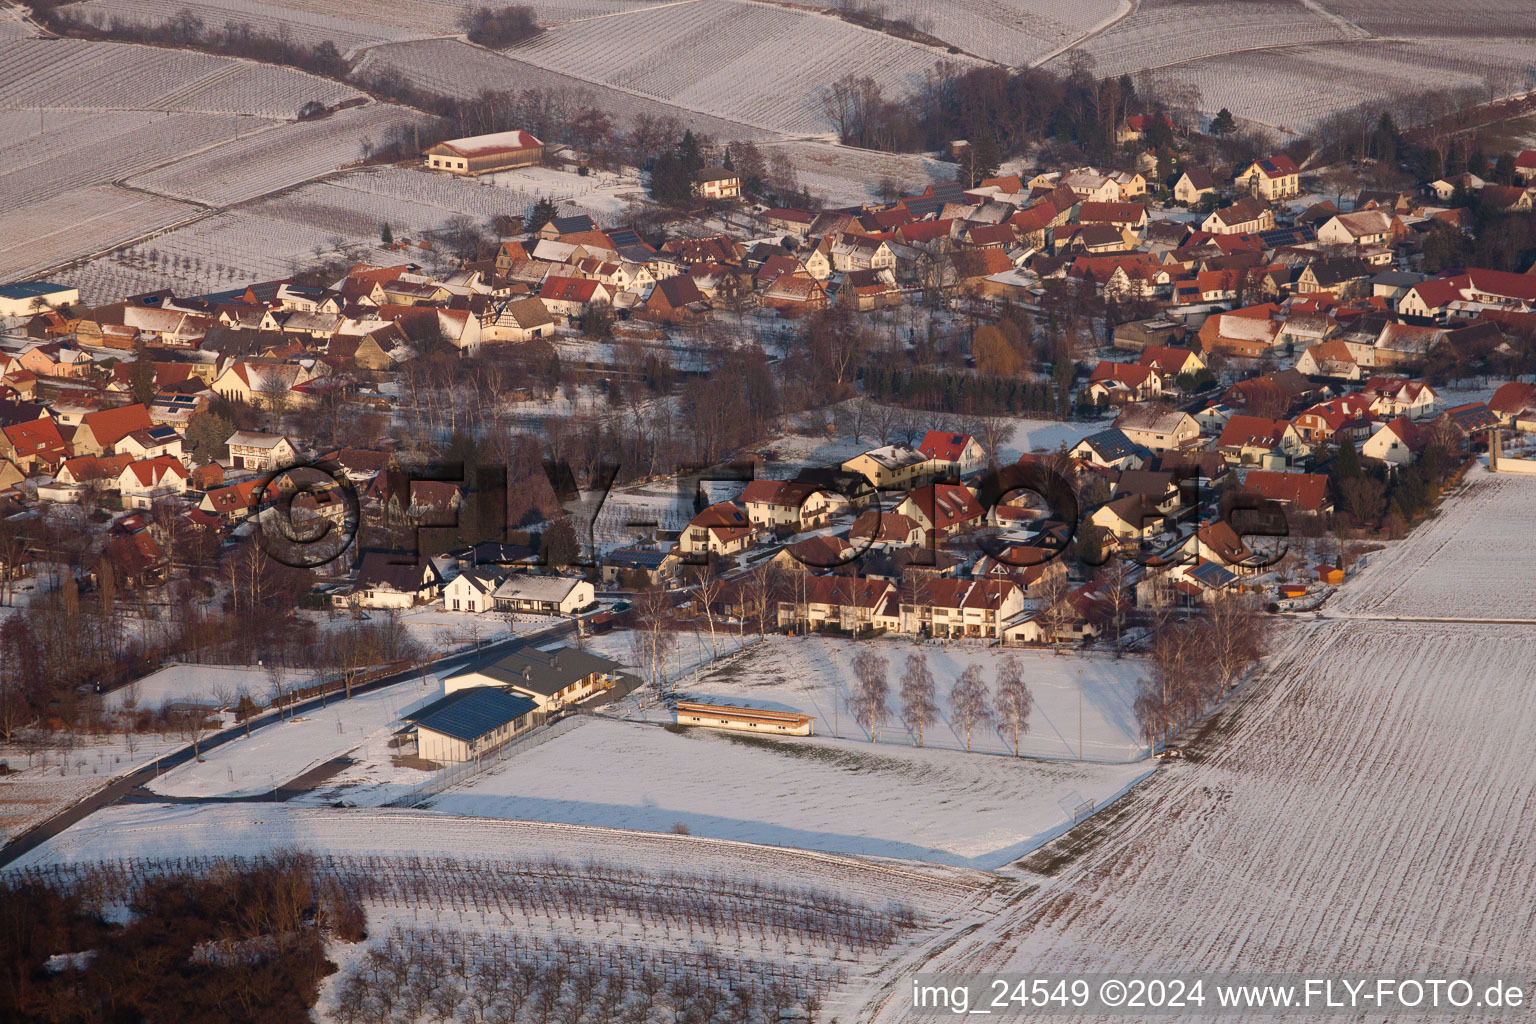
(24, 298)
(466, 724)
(743, 718)
(485, 154)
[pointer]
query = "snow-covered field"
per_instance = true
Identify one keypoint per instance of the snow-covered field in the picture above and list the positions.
(1469, 562)
(128, 138)
(1163, 32)
(1367, 809)
(45, 778)
(453, 67)
(755, 63)
(287, 155)
(197, 684)
(270, 757)
(842, 175)
(65, 74)
(814, 675)
(818, 794)
(1291, 87)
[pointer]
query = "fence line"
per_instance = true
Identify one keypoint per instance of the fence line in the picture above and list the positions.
(453, 774)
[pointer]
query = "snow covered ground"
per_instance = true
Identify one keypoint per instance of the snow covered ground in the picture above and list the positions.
(1470, 562)
(270, 757)
(46, 777)
(819, 794)
(814, 675)
(1365, 810)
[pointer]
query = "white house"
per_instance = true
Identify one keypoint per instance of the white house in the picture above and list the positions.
(252, 449)
(543, 595)
(473, 590)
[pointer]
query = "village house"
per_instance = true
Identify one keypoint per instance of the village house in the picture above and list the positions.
(1120, 383)
(951, 454)
(713, 183)
(1257, 440)
(847, 603)
(942, 607)
(517, 320)
(777, 504)
(553, 680)
(1305, 493)
(720, 529)
(388, 579)
(473, 588)
(143, 483)
(891, 467)
(1111, 449)
(33, 445)
(1194, 185)
(638, 568)
(543, 595)
(23, 298)
(100, 431)
(942, 510)
(1133, 517)
(1247, 216)
(1157, 427)
(259, 451)
(1271, 178)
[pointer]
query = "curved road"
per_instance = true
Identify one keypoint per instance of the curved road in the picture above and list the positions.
(121, 787)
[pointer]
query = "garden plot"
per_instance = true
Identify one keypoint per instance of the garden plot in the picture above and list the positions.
(452, 67)
(754, 63)
(814, 675)
(36, 236)
(1163, 32)
(287, 155)
(1472, 561)
(815, 794)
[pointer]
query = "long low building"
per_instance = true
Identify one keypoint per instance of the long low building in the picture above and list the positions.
(743, 718)
(485, 154)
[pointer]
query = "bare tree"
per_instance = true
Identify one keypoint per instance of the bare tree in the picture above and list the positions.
(919, 709)
(871, 692)
(1056, 610)
(1115, 579)
(1013, 699)
(1235, 636)
(708, 588)
(968, 700)
(652, 640)
(191, 725)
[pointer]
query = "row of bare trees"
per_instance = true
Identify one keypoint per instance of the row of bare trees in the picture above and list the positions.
(972, 706)
(442, 976)
(1197, 661)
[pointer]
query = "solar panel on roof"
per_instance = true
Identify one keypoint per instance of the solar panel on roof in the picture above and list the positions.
(482, 710)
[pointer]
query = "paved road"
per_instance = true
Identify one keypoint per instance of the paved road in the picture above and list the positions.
(122, 787)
